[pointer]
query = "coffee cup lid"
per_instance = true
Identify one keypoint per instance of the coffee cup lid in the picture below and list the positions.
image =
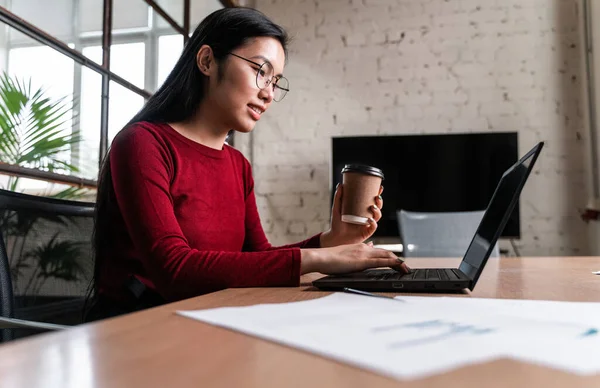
(363, 169)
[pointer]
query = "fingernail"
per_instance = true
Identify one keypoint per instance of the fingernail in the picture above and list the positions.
(380, 197)
(336, 186)
(400, 260)
(375, 207)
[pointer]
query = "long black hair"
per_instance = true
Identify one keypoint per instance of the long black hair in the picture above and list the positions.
(180, 95)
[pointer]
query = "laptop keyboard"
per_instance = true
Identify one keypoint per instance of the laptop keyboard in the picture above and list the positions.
(419, 274)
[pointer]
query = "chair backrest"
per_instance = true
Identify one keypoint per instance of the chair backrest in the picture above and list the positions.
(46, 259)
(438, 234)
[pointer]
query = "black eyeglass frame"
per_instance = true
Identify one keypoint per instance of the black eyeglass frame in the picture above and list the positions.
(260, 66)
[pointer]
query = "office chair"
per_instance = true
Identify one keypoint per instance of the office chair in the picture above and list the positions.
(45, 262)
(443, 234)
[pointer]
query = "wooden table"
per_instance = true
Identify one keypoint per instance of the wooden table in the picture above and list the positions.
(156, 348)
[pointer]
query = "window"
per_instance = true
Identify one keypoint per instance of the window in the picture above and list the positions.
(44, 68)
(144, 50)
(89, 121)
(169, 49)
(126, 60)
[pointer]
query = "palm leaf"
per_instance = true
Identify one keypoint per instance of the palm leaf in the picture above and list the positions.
(14, 95)
(35, 130)
(59, 259)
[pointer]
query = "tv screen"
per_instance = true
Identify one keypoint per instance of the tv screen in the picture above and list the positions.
(432, 173)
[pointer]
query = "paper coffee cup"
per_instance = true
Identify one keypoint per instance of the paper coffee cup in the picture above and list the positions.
(361, 187)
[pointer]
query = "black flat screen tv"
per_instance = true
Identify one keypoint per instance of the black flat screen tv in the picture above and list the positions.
(432, 172)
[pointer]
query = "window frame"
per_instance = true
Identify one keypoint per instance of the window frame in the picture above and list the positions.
(149, 36)
(45, 39)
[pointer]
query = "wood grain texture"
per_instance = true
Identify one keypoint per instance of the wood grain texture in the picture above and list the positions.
(157, 348)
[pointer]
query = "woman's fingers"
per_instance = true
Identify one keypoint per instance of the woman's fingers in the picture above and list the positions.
(376, 210)
(337, 200)
(379, 202)
(357, 257)
(401, 268)
(372, 225)
(379, 198)
(380, 253)
(400, 265)
(377, 257)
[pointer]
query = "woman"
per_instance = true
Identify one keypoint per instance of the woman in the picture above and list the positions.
(176, 213)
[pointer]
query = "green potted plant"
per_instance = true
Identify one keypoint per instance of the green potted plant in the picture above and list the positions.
(35, 133)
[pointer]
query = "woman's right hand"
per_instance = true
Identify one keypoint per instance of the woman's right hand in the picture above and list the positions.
(348, 258)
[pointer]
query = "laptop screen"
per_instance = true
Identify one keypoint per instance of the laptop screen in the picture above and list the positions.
(496, 215)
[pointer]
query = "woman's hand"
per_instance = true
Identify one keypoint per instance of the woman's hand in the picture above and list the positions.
(349, 258)
(342, 233)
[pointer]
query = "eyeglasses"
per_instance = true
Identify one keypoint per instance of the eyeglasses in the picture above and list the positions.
(265, 77)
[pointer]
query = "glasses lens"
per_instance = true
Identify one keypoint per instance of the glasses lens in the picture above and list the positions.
(281, 88)
(264, 75)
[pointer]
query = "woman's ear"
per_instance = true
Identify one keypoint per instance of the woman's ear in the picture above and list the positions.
(205, 60)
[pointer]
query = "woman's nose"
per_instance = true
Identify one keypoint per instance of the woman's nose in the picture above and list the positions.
(268, 93)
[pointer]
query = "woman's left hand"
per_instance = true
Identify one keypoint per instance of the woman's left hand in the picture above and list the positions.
(341, 233)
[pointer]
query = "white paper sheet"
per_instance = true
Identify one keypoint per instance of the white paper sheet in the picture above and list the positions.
(425, 335)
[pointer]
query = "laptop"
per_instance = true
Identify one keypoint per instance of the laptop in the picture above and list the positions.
(466, 275)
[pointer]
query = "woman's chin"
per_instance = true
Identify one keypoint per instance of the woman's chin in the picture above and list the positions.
(246, 127)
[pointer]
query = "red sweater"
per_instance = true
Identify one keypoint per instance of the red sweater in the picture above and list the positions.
(185, 220)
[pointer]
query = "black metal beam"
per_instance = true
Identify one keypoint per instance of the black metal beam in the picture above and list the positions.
(14, 170)
(35, 33)
(157, 8)
(186, 20)
(106, 41)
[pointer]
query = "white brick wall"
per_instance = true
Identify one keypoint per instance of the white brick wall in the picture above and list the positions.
(426, 66)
